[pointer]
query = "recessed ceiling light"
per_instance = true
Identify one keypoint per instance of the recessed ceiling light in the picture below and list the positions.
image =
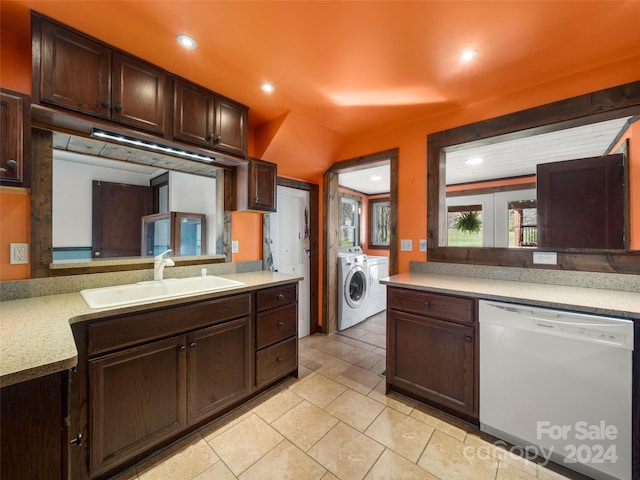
(186, 41)
(468, 55)
(267, 87)
(376, 178)
(474, 161)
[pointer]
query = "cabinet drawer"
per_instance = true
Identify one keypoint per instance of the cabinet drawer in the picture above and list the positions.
(136, 328)
(275, 325)
(276, 296)
(276, 361)
(446, 307)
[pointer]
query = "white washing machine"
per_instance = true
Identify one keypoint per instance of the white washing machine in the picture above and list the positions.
(353, 286)
(377, 268)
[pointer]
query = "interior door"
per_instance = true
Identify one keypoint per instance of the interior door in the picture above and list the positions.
(582, 204)
(117, 212)
(290, 246)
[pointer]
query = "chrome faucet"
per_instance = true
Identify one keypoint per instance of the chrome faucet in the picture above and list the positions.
(159, 263)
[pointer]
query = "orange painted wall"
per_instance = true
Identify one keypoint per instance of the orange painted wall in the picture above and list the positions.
(15, 215)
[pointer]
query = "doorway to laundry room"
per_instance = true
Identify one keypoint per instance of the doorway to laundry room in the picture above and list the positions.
(360, 236)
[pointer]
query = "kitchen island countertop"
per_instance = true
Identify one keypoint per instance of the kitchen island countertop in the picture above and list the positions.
(589, 300)
(35, 333)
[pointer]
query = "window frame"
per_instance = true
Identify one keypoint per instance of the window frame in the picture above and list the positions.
(375, 203)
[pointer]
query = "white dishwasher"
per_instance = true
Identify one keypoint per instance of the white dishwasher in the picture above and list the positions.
(558, 384)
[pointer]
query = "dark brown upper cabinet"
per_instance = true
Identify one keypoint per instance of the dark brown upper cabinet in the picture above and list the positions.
(255, 185)
(73, 71)
(208, 120)
(16, 134)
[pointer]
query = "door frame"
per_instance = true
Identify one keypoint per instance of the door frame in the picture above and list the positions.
(330, 231)
(314, 223)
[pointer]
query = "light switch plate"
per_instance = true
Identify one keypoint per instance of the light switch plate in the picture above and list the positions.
(235, 246)
(19, 253)
(423, 244)
(406, 245)
(545, 258)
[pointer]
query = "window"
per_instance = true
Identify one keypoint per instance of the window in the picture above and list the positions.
(349, 220)
(379, 223)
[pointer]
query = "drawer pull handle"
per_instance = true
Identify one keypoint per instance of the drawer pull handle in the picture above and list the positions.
(193, 344)
(467, 339)
(182, 348)
(279, 359)
(426, 304)
(281, 324)
(280, 296)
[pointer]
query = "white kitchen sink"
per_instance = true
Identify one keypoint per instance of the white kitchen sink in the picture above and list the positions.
(154, 290)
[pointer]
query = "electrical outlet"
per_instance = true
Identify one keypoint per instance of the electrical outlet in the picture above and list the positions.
(423, 244)
(235, 246)
(406, 245)
(19, 253)
(545, 258)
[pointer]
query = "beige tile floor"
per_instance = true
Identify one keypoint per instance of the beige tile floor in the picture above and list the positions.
(335, 422)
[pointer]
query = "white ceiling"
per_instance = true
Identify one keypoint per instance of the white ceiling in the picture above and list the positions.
(360, 180)
(519, 157)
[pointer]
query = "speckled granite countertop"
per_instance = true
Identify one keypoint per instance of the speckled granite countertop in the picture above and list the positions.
(590, 300)
(35, 333)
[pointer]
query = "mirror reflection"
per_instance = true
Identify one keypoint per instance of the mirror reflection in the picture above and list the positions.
(99, 203)
(563, 189)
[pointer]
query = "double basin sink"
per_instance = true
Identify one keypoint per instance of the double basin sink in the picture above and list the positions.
(155, 290)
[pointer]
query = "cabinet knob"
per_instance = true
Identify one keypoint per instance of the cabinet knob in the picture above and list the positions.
(211, 136)
(12, 163)
(279, 359)
(256, 199)
(104, 104)
(281, 324)
(118, 107)
(77, 441)
(193, 344)
(467, 339)
(280, 296)
(218, 138)
(426, 304)
(182, 348)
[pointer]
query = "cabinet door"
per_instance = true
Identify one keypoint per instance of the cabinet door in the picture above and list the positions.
(231, 127)
(433, 359)
(262, 186)
(219, 367)
(137, 398)
(31, 438)
(193, 114)
(75, 72)
(140, 94)
(14, 158)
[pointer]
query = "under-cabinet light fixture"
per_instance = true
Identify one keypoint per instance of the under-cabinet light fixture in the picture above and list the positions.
(376, 178)
(115, 137)
(186, 41)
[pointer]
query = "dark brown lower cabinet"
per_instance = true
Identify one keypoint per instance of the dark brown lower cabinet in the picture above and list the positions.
(137, 398)
(433, 359)
(145, 379)
(219, 371)
(31, 429)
